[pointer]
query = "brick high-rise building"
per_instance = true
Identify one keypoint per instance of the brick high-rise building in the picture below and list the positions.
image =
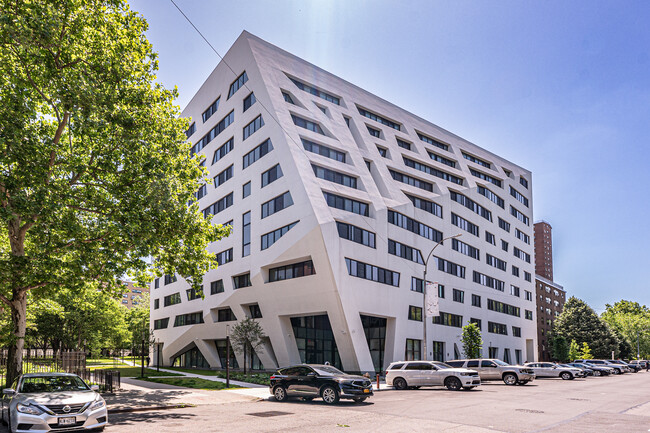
(543, 250)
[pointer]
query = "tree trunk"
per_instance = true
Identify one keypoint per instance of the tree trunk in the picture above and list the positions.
(19, 325)
(244, 359)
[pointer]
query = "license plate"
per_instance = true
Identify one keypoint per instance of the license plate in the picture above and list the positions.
(366, 391)
(70, 420)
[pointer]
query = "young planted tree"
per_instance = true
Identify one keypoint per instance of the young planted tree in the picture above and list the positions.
(95, 171)
(246, 337)
(585, 351)
(472, 341)
(574, 351)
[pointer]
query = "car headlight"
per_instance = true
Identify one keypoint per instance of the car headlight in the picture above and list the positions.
(29, 409)
(467, 374)
(98, 404)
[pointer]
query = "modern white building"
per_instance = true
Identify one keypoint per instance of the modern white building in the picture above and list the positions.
(336, 197)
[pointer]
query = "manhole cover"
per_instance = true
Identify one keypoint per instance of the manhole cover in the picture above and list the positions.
(269, 413)
(579, 399)
(529, 410)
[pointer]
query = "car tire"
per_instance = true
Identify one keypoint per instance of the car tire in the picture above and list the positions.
(616, 371)
(359, 399)
(329, 394)
(523, 382)
(510, 379)
(453, 384)
(399, 384)
(566, 376)
(596, 373)
(280, 393)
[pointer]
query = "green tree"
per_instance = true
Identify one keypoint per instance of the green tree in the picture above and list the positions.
(574, 351)
(246, 337)
(559, 348)
(585, 351)
(95, 171)
(579, 322)
(631, 323)
(472, 341)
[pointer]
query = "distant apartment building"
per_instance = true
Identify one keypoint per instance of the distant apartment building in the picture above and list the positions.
(336, 198)
(550, 296)
(134, 294)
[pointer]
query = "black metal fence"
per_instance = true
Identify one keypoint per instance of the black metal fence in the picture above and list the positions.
(108, 380)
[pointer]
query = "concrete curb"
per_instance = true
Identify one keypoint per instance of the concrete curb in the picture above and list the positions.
(149, 408)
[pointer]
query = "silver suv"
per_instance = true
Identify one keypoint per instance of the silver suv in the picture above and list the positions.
(495, 369)
(549, 369)
(414, 374)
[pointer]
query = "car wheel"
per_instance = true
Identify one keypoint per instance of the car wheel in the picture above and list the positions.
(509, 379)
(330, 395)
(596, 373)
(523, 382)
(566, 376)
(280, 393)
(617, 371)
(360, 399)
(400, 384)
(453, 384)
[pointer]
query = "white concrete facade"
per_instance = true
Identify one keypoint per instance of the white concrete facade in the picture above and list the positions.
(332, 290)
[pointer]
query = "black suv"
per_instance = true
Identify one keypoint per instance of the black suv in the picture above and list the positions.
(314, 380)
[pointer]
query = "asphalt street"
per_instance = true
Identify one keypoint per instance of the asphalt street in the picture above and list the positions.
(617, 403)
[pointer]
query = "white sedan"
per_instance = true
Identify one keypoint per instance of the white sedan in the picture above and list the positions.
(44, 402)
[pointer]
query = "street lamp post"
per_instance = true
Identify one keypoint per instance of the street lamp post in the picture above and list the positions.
(158, 356)
(424, 292)
(227, 356)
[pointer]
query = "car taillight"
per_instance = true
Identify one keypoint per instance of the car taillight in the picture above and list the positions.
(386, 373)
(272, 378)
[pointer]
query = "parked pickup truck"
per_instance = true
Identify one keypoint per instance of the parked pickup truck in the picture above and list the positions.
(495, 369)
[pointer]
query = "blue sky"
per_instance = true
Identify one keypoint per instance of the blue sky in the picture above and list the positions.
(560, 88)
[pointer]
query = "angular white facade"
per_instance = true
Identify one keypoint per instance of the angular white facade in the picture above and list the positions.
(337, 146)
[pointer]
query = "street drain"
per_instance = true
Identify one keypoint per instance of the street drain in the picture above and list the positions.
(579, 399)
(529, 410)
(269, 413)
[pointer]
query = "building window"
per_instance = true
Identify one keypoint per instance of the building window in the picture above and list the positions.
(433, 142)
(307, 124)
(213, 133)
(527, 276)
(193, 294)
(222, 177)
(258, 152)
(489, 238)
(476, 301)
(448, 319)
(520, 216)
(412, 352)
(450, 267)
(410, 180)
(496, 262)
(490, 196)
(514, 290)
(528, 295)
(521, 255)
(519, 196)
(191, 130)
(323, 150)
(426, 205)
(156, 304)
(528, 314)
(374, 132)
(210, 111)
(252, 127)
(346, 204)
(441, 159)
(404, 251)
(378, 118)
(417, 285)
(476, 160)
(334, 176)
(486, 177)
(355, 234)
(515, 271)
(295, 270)
(237, 84)
(516, 331)
(270, 238)
(188, 319)
(287, 98)
(168, 279)
(156, 283)
(477, 322)
(464, 224)
(487, 281)
(504, 224)
(255, 311)
(415, 313)
(524, 182)
(172, 299)
(225, 315)
(224, 257)
(522, 236)
(373, 273)
(316, 92)
(471, 205)
(218, 206)
(459, 296)
(497, 328)
(216, 287)
(203, 190)
(246, 234)
(161, 323)
(466, 249)
(249, 101)
(382, 151)
(240, 281)
(414, 226)
(501, 307)
(223, 150)
(403, 144)
(432, 171)
(246, 189)
(276, 204)
(504, 245)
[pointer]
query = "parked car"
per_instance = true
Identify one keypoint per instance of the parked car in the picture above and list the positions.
(631, 367)
(583, 370)
(617, 369)
(414, 374)
(640, 362)
(548, 369)
(309, 381)
(495, 369)
(596, 370)
(52, 401)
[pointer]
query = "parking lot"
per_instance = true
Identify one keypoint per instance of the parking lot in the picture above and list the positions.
(615, 403)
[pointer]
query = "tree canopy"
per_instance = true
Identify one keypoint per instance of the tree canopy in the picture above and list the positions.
(472, 341)
(95, 171)
(631, 322)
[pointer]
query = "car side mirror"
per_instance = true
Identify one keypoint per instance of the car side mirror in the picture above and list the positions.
(8, 392)
(94, 388)
(555, 366)
(312, 374)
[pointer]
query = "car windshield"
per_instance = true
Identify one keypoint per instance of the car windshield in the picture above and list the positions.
(52, 384)
(442, 365)
(499, 362)
(326, 370)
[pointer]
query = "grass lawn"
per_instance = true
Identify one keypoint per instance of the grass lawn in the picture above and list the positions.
(190, 382)
(127, 371)
(258, 378)
(103, 361)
